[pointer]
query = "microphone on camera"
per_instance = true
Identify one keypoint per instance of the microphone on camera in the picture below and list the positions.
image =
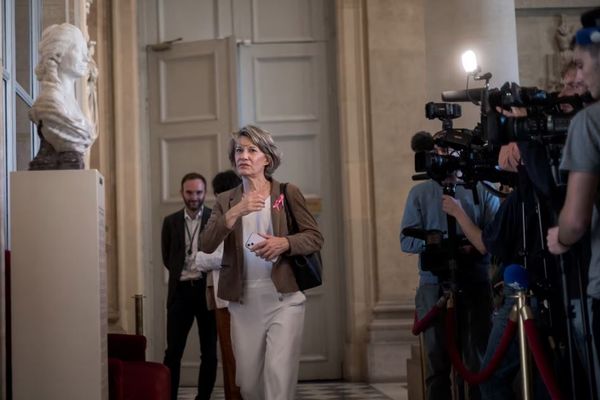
(421, 141)
(463, 95)
(515, 277)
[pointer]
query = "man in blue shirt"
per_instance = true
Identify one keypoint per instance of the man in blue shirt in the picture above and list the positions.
(425, 210)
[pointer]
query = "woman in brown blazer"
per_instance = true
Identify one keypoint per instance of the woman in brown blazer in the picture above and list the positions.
(266, 306)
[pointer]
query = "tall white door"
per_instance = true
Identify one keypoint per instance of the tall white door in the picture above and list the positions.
(285, 89)
(282, 84)
(192, 106)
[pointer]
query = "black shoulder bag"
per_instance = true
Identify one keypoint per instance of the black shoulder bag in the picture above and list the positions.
(307, 268)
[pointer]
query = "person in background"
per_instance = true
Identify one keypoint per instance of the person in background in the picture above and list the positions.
(256, 277)
(581, 157)
(572, 84)
(502, 239)
(186, 297)
(426, 209)
(223, 182)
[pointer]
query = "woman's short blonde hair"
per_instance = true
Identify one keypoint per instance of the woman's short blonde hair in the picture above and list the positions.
(263, 140)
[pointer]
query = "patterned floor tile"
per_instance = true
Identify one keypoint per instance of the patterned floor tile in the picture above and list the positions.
(312, 391)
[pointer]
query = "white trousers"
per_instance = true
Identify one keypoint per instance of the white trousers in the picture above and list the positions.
(266, 332)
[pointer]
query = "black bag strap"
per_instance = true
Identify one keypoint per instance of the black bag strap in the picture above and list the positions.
(291, 220)
(206, 212)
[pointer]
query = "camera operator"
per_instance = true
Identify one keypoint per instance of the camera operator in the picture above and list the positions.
(423, 210)
(578, 259)
(581, 157)
(506, 238)
(572, 84)
(509, 157)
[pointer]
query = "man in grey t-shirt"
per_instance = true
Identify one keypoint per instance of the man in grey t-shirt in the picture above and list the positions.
(581, 157)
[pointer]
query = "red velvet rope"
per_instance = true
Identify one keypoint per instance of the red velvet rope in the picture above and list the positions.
(540, 360)
(475, 378)
(420, 325)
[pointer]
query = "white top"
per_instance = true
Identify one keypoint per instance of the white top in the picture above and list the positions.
(192, 231)
(220, 303)
(255, 267)
(211, 262)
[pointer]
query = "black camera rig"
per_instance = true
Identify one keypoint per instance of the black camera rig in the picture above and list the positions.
(472, 154)
(457, 151)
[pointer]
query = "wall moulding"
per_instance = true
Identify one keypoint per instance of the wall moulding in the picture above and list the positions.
(556, 4)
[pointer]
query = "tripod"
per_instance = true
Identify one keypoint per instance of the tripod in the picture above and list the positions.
(561, 336)
(554, 153)
(459, 389)
(443, 255)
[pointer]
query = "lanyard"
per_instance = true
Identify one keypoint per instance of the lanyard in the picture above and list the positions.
(192, 236)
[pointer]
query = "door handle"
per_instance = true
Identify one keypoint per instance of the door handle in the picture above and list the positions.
(162, 46)
(243, 42)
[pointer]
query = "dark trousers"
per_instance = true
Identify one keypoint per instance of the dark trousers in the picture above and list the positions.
(473, 308)
(189, 303)
(232, 391)
(500, 385)
(596, 333)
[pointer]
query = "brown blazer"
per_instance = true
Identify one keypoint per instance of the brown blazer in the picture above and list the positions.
(307, 241)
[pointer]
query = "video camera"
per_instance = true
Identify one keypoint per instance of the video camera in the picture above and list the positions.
(452, 150)
(473, 154)
(543, 118)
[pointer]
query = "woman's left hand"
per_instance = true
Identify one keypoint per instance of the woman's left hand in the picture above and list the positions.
(271, 248)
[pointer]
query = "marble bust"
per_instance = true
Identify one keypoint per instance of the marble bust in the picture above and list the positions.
(65, 131)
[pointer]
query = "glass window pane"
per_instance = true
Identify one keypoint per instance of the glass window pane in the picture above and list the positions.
(3, 32)
(23, 139)
(23, 43)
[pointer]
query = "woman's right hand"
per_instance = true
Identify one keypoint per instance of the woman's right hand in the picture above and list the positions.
(251, 202)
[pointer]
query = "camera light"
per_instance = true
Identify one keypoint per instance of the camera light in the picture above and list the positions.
(469, 61)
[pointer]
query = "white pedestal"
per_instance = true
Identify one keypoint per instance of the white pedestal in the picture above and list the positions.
(59, 312)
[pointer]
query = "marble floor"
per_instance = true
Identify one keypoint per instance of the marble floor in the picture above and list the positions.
(328, 391)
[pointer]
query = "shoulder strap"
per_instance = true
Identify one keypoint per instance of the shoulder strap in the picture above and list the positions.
(291, 220)
(205, 217)
(206, 212)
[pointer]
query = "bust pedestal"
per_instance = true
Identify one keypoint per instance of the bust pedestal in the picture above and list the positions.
(58, 285)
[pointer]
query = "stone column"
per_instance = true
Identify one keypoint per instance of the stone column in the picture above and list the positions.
(396, 56)
(452, 27)
(356, 174)
(414, 49)
(128, 159)
(3, 223)
(103, 152)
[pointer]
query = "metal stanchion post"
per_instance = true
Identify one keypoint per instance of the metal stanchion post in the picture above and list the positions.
(423, 367)
(139, 314)
(523, 350)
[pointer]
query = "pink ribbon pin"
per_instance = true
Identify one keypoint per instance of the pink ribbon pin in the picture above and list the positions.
(278, 204)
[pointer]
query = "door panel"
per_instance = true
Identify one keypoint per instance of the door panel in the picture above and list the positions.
(280, 21)
(284, 90)
(283, 87)
(192, 113)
